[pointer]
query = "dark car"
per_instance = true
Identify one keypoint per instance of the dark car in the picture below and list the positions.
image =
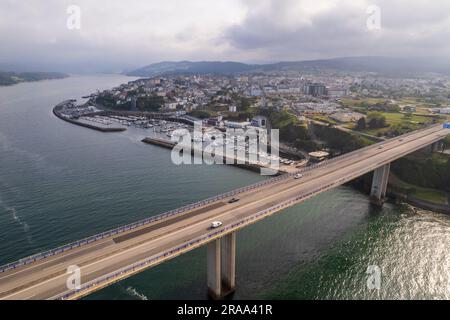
(233, 200)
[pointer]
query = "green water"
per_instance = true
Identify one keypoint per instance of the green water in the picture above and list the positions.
(60, 182)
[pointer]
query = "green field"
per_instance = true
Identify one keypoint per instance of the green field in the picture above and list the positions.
(353, 102)
(392, 119)
(427, 194)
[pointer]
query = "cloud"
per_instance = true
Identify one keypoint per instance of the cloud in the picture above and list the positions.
(125, 34)
(128, 32)
(303, 29)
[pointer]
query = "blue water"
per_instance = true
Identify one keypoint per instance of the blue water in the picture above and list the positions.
(60, 182)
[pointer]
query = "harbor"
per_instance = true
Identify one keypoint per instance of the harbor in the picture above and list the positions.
(286, 166)
(163, 129)
(84, 116)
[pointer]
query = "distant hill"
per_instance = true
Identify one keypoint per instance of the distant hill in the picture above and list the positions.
(191, 67)
(381, 65)
(10, 78)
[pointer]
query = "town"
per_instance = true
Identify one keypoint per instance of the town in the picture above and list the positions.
(368, 106)
(319, 115)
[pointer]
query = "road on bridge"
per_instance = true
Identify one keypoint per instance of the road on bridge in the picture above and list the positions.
(46, 278)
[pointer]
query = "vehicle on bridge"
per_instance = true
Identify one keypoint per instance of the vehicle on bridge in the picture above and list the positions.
(447, 125)
(233, 200)
(298, 176)
(216, 224)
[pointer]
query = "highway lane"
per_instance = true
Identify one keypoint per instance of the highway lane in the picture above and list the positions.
(47, 278)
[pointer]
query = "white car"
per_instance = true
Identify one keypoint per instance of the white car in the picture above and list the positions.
(381, 147)
(298, 176)
(216, 224)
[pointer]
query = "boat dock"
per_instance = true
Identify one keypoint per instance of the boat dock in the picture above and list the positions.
(243, 163)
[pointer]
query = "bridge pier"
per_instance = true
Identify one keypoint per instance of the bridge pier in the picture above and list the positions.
(437, 146)
(379, 185)
(229, 263)
(221, 266)
(213, 269)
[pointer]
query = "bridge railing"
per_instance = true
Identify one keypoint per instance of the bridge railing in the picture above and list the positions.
(204, 239)
(181, 210)
(194, 242)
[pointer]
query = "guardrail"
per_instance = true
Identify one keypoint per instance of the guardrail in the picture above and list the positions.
(195, 242)
(201, 240)
(181, 210)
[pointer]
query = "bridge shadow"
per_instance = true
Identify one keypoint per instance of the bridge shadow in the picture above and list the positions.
(374, 209)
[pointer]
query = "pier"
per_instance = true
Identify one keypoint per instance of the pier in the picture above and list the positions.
(242, 163)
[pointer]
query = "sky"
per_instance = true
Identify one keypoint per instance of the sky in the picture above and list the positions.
(117, 35)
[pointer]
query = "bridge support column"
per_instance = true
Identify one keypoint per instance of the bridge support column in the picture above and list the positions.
(213, 269)
(221, 266)
(229, 263)
(379, 184)
(437, 146)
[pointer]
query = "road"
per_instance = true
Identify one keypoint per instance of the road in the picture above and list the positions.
(46, 278)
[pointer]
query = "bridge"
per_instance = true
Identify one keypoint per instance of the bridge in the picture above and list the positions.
(116, 254)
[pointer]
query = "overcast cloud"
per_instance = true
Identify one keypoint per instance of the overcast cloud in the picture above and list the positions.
(124, 34)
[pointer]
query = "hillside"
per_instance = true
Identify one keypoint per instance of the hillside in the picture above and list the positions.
(191, 67)
(382, 65)
(10, 78)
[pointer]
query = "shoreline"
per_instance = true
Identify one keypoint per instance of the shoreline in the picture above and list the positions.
(419, 203)
(250, 166)
(395, 195)
(82, 124)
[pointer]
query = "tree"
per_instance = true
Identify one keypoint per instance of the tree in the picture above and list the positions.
(376, 120)
(361, 124)
(408, 115)
(151, 103)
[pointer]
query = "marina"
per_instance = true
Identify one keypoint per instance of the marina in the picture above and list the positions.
(229, 148)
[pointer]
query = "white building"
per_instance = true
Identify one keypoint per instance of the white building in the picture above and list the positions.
(444, 110)
(232, 108)
(171, 105)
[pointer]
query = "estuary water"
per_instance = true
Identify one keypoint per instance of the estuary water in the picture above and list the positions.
(60, 182)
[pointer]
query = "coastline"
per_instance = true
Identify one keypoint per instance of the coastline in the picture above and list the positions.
(395, 190)
(416, 202)
(16, 78)
(86, 125)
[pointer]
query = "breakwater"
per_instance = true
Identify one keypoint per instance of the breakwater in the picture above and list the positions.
(57, 113)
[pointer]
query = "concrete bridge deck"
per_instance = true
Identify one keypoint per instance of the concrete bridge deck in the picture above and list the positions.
(113, 257)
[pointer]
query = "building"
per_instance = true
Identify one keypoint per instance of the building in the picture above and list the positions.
(444, 110)
(409, 108)
(236, 125)
(259, 121)
(315, 89)
(232, 108)
(215, 122)
(171, 105)
(337, 92)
